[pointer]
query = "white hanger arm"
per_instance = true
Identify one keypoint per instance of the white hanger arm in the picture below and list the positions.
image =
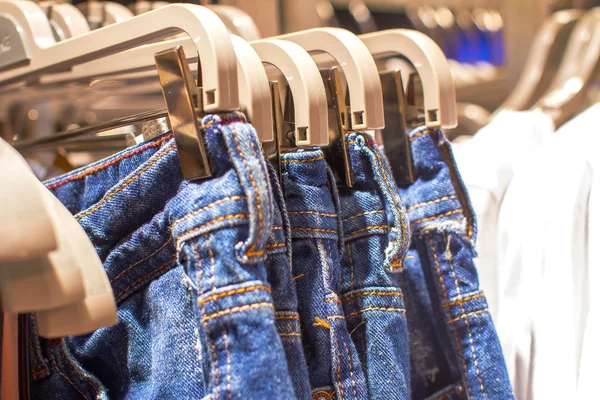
(308, 90)
(211, 39)
(66, 18)
(431, 65)
(364, 86)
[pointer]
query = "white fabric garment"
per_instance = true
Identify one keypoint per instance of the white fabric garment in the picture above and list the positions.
(487, 163)
(543, 263)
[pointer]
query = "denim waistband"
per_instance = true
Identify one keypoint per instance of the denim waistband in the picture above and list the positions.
(431, 203)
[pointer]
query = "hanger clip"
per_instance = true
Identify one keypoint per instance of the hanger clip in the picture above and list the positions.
(395, 134)
(183, 99)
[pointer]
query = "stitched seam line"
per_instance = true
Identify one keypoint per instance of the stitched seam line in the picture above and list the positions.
(116, 278)
(234, 292)
(399, 310)
(298, 277)
(355, 295)
(449, 213)
(363, 214)
(304, 161)
(419, 134)
(473, 355)
(339, 374)
(251, 251)
(311, 213)
(387, 227)
(236, 310)
(137, 281)
(466, 316)
(450, 393)
(224, 200)
(289, 335)
(68, 362)
(66, 377)
(463, 300)
(102, 202)
(445, 292)
(39, 372)
(282, 317)
(100, 167)
(428, 203)
(275, 246)
(351, 372)
(224, 218)
(315, 230)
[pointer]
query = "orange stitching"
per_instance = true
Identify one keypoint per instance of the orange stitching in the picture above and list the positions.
(355, 295)
(275, 246)
(427, 203)
(367, 229)
(142, 260)
(322, 323)
(236, 310)
(449, 213)
(298, 276)
(339, 375)
(233, 292)
(37, 364)
(256, 191)
(473, 355)
(363, 214)
(64, 376)
(315, 230)
(277, 228)
(227, 217)
(68, 362)
(312, 213)
(441, 279)
(39, 372)
(336, 317)
(465, 316)
(463, 300)
(160, 155)
(255, 253)
(400, 310)
(98, 168)
(289, 335)
(224, 200)
(282, 317)
(351, 372)
(425, 132)
(144, 277)
(304, 161)
(333, 300)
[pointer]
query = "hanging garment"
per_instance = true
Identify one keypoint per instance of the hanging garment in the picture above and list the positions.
(455, 351)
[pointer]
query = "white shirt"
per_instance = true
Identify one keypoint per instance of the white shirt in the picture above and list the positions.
(543, 263)
(487, 164)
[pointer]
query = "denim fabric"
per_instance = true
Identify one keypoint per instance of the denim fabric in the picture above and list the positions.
(455, 351)
(313, 208)
(376, 236)
(280, 276)
(186, 264)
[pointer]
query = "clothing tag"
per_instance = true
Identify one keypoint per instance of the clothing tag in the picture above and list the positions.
(12, 48)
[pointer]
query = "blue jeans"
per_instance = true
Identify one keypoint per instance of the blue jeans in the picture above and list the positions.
(376, 236)
(313, 207)
(186, 261)
(455, 351)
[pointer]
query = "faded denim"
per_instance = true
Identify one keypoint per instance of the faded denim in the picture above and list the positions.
(186, 261)
(313, 207)
(454, 349)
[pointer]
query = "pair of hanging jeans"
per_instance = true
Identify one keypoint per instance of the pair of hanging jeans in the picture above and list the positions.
(186, 261)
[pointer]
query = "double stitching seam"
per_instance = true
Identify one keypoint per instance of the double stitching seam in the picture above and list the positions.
(217, 202)
(428, 203)
(371, 293)
(448, 214)
(66, 377)
(368, 228)
(237, 309)
(473, 355)
(321, 214)
(68, 362)
(363, 214)
(110, 195)
(463, 300)
(220, 219)
(100, 167)
(234, 292)
(445, 292)
(398, 310)
(315, 230)
(466, 316)
(304, 161)
(351, 371)
(137, 281)
(116, 278)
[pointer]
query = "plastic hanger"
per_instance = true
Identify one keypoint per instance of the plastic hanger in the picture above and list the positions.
(306, 85)
(237, 21)
(141, 6)
(66, 20)
(566, 96)
(431, 65)
(104, 13)
(36, 47)
(548, 46)
(360, 71)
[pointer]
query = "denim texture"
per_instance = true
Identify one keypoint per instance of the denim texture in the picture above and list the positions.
(186, 261)
(455, 351)
(313, 207)
(376, 237)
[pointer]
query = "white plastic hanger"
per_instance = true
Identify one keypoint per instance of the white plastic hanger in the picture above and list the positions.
(306, 84)
(237, 21)
(43, 55)
(141, 6)
(360, 71)
(66, 19)
(431, 65)
(104, 13)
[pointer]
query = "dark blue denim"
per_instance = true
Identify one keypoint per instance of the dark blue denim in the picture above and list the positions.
(186, 261)
(454, 349)
(281, 279)
(376, 236)
(313, 207)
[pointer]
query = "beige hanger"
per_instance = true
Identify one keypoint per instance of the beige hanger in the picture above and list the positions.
(566, 96)
(237, 21)
(42, 55)
(104, 13)
(65, 18)
(142, 6)
(552, 36)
